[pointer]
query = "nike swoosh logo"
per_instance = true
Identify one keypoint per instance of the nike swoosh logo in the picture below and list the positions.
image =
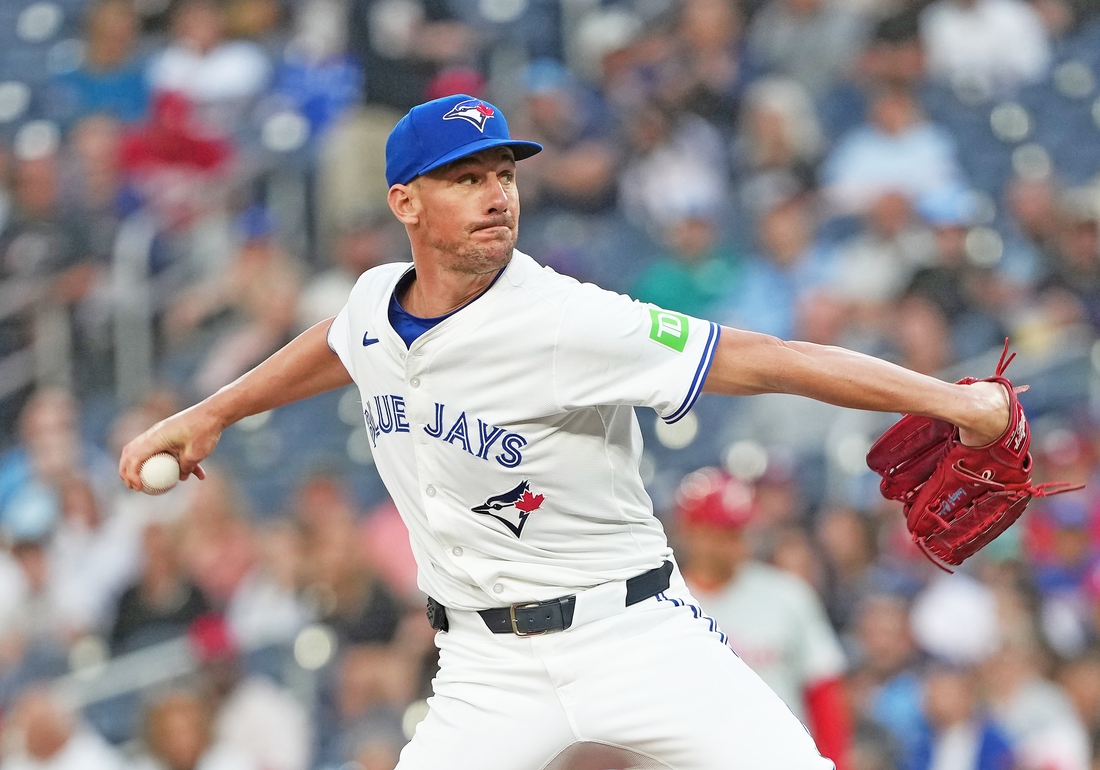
(368, 340)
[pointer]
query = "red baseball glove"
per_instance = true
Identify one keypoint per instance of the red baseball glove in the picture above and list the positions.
(958, 498)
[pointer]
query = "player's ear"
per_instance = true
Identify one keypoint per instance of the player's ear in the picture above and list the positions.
(404, 203)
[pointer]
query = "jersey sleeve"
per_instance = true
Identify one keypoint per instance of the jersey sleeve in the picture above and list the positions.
(338, 332)
(612, 350)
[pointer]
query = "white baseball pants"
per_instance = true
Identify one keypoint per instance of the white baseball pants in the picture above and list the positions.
(653, 685)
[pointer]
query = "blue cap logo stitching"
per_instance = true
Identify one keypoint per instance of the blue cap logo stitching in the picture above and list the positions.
(473, 111)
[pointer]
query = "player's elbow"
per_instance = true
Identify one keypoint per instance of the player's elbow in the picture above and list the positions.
(750, 363)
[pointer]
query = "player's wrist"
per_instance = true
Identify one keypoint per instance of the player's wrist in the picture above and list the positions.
(986, 417)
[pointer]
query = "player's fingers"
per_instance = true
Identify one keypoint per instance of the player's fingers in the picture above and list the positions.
(200, 474)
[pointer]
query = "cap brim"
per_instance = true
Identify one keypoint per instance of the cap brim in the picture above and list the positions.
(520, 149)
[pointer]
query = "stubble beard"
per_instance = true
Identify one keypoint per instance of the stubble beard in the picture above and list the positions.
(478, 259)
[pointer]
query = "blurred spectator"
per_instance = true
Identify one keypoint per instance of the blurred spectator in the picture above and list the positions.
(359, 606)
(886, 686)
(892, 55)
(163, 602)
(111, 79)
(779, 142)
(51, 450)
(1035, 712)
(1065, 560)
(677, 161)
(873, 748)
(175, 166)
(709, 69)
(968, 293)
(265, 607)
(962, 735)
(375, 685)
(221, 77)
(847, 543)
(987, 46)
(48, 251)
(896, 150)
(254, 717)
(385, 541)
(214, 540)
(402, 46)
(921, 335)
(261, 286)
(316, 74)
(1080, 678)
(576, 169)
(775, 622)
(696, 274)
(813, 41)
(874, 266)
(955, 620)
(1031, 247)
(42, 734)
(361, 242)
(788, 264)
(94, 183)
(1076, 266)
(179, 735)
(93, 555)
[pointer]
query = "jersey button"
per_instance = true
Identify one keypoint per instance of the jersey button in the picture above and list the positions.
(456, 551)
(415, 382)
(429, 491)
(498, 589)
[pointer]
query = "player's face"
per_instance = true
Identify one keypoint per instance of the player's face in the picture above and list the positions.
(468, 211)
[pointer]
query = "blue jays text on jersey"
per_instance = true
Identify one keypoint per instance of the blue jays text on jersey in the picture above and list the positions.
(386, 414)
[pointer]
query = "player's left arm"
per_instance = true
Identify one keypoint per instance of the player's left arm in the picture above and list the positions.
(747, 363)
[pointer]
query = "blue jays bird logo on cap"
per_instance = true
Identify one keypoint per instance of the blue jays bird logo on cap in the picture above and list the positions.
(512, 507)
(472, 111)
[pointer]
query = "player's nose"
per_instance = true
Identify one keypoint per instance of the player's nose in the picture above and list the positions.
(497, 195)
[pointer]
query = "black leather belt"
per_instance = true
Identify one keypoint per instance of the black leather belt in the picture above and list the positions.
(530, 619)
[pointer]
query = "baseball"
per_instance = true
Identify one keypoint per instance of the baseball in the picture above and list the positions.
(159, 473)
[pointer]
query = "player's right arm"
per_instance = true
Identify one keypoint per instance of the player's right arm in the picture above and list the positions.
(305, 367)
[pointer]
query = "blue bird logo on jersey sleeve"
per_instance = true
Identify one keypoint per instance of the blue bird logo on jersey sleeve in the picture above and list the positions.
(512, 507)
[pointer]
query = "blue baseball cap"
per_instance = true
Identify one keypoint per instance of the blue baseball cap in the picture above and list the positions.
(442, 130)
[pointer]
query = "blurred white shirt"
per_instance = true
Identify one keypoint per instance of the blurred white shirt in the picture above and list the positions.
(85, 750)
(993, 45)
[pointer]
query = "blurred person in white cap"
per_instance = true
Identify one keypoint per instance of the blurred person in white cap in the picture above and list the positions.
(775, 622)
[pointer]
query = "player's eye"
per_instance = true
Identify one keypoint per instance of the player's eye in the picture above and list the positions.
(467, 179)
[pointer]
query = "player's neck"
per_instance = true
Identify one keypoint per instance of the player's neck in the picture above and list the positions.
(437, 292)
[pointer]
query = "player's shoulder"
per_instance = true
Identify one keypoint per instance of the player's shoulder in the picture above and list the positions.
(379, 280)
(546, 285)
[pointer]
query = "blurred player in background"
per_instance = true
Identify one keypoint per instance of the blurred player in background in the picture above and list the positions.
(775, 621)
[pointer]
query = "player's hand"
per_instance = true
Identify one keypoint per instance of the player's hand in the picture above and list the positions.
(988, 417)
(190, 435)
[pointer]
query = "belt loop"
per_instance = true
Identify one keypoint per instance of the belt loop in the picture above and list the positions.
(437, 615)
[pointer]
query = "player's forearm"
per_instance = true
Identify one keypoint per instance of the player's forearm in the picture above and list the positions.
(304, 367)
(747, 363)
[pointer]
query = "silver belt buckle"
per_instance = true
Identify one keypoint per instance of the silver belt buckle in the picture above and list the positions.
(515, 626)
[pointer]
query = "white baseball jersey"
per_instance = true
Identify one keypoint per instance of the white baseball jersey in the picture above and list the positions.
(777, 624)
(506, 434)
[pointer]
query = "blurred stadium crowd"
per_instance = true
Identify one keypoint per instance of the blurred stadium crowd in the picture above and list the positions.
(186, 184)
